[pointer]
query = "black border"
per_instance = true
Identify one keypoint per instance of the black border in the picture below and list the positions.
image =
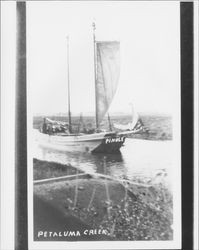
(187, 116)
(21, 196)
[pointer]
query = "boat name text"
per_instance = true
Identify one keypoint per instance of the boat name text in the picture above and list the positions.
(112, 140)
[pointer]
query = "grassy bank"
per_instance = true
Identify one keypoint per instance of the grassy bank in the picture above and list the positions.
(128, 212)
(45, 169)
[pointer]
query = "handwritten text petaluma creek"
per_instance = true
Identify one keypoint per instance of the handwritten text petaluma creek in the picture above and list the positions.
(47, 234)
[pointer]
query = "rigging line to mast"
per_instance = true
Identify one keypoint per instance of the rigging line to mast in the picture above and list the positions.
(69, 112)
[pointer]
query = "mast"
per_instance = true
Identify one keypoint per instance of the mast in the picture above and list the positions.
(95, 75)
(69, 112)
(109, 123)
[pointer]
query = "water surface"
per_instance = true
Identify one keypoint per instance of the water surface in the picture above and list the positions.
(139, 159)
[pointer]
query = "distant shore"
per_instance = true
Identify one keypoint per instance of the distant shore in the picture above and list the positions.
(127, 212)
(159, 127)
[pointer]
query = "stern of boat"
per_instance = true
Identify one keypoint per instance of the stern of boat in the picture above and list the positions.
(110, 144)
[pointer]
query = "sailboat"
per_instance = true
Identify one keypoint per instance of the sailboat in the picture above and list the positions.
(106, 72)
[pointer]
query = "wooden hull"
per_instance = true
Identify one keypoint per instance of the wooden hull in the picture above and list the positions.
(104, 142)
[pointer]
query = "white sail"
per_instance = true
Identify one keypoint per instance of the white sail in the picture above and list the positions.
(108, 71)
(135, 117)
(135, 124)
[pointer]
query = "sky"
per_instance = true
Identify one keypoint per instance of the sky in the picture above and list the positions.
(149, 35)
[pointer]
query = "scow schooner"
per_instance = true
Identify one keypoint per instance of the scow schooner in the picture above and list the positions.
(106, 72)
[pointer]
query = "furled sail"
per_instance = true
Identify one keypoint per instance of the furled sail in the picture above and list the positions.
(107, 77)
(55, 122)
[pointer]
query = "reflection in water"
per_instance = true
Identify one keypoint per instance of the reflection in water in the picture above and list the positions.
(138, 158)
(86, 161)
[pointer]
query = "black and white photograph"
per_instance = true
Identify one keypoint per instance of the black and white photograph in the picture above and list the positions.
(104, 89)
(102, 82)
